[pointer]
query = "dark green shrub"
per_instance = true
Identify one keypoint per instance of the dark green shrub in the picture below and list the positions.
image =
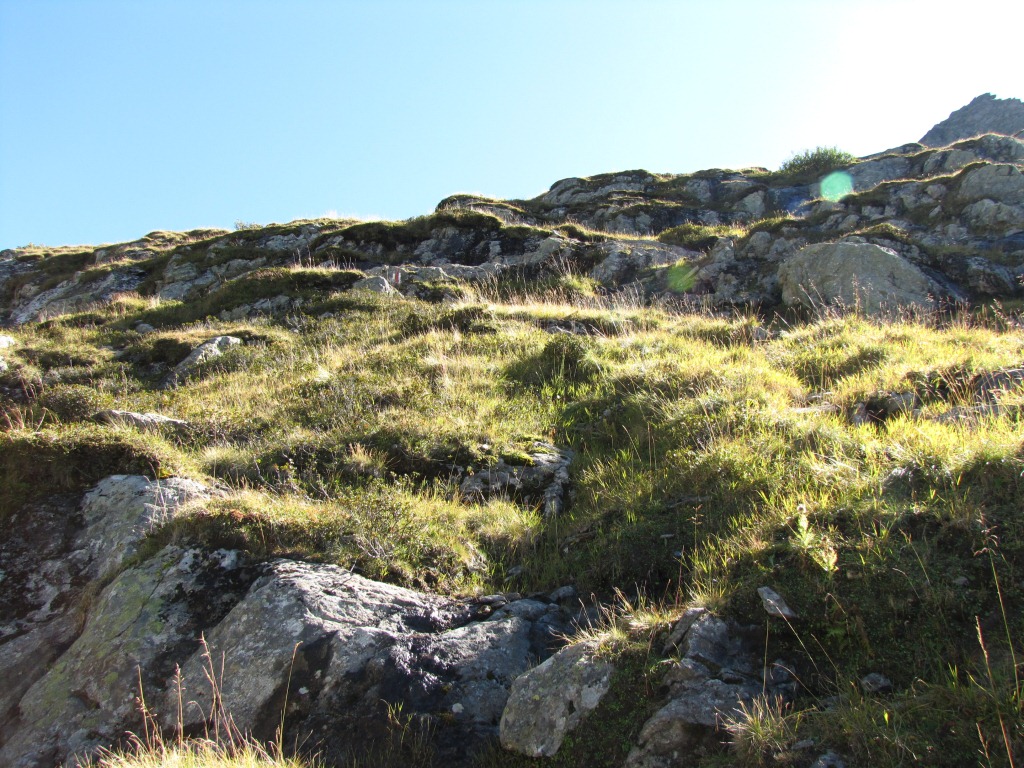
(72, 402)
(566, 359)
(811, 164)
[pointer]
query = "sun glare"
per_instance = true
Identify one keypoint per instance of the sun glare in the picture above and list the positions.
(836, 185)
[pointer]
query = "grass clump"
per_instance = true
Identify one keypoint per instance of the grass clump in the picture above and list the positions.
(811, 164)
(699, 237)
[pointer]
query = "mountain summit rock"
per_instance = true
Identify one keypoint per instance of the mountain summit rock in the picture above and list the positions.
(985, 114)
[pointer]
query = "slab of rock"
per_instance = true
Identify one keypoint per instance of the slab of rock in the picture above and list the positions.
(206, 351)
(148, 615)
(122, 509)
(853, 275)
(985, 114)
(144, 422)
(552, 699)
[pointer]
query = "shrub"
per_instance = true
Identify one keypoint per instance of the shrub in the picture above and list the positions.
(812, 163)
(565, 359)
(73, 402)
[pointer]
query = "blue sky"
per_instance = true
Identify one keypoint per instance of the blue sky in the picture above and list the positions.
(119, 118)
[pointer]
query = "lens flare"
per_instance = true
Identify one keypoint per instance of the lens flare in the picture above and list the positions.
(836, 185)
(681, 277)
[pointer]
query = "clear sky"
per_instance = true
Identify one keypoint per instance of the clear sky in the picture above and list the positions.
(119, 118)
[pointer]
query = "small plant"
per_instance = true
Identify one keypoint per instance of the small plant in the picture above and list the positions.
(223, 745)
(811, 164)
(817, 546)
(760, 731)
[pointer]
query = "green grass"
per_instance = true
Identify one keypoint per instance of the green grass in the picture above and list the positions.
(705, 468)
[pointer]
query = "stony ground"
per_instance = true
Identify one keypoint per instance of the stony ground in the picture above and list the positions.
(650, 470)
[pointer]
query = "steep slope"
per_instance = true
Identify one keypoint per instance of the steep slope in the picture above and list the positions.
(649, 470)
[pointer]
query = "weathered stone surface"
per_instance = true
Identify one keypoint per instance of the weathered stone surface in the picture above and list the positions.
(146, 422)
(989, 386)
(1002, 183)
(622, 260)
(41, 583)
(987, 215)
(875, 683)
(74, 294)
(352, 646)
(854, 275)
(773, 603)
(870, 174)
(718, 671)
(146, 617)
(552, 699)
(992, 279)
(544, 480)
(985, 114)
(575, 191)
(205, 352)
(376, 284)
(122, 509)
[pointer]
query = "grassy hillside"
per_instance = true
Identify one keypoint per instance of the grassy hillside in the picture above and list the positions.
(869, 470)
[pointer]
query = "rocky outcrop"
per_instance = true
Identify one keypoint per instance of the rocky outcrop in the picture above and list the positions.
(137, 626)
(341, 650)
(543, 480)
(208, 350)
(552, 699)
(75, 294)
(953, 210)
(122, 510)
(718, 671)
(985, 114)
(851, 274)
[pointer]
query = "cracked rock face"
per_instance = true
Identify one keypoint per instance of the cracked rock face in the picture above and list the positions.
(552, 699)
(719, 670)
(139, 622)
(353, 650)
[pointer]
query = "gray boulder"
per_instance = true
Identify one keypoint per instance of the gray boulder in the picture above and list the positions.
(145, 617)
(1002, 183)
(208, 350)
(552, 699)
(144, 422)
(853, 274)
(122, 509)
(375, 284)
